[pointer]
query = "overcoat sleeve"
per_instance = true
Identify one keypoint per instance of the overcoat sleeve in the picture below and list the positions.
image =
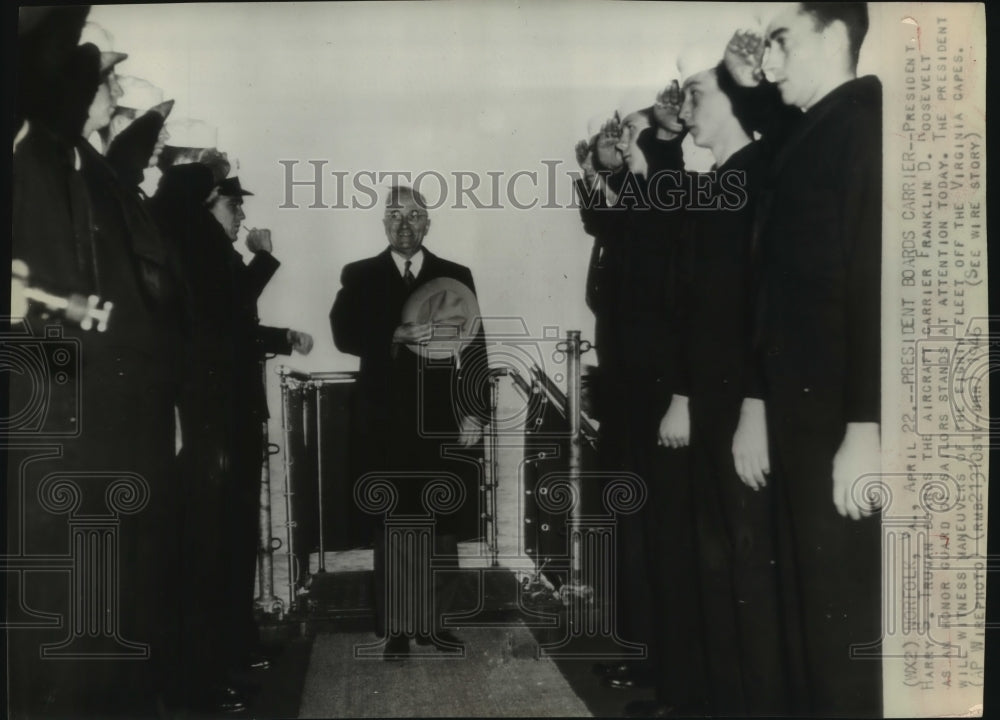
(272, 341)
(259, 272)
(349, 320)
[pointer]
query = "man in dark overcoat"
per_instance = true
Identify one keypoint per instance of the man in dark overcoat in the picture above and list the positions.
(222, 408)
(406, 406)
(247, 411)
(179, 209)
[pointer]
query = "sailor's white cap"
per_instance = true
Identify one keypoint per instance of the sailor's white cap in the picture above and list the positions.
(97, 35)
(192, 133)
(637, 98)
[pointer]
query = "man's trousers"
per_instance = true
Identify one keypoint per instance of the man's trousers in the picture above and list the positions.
(830, 567)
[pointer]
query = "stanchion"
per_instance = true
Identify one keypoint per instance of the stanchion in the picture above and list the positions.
(319, 474)
(267, 602)
(307, 422)
(286, 374)
(575, 588)
(590, 613)
(490, 472)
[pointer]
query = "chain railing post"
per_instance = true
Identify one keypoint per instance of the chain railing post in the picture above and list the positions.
(284, 373)
(266, 602)
(575, 587)
(491, 473)
(319, 474)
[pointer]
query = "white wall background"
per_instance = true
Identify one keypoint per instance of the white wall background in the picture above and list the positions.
(449, 86)
(443, 86)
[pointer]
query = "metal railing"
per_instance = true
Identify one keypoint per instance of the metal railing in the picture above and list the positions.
(294, 382)
(581, 432)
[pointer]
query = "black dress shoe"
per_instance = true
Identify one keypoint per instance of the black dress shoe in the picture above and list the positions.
(223, 699)
(257, 661)
(627, 682)
(649, 708)
(612, 669)
(443, 640)
(397, 648)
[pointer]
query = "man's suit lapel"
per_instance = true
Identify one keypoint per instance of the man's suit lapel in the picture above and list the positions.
(391, 281)
(429, 270)
(387, 265)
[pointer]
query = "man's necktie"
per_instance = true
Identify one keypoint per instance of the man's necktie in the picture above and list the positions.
(408, 278)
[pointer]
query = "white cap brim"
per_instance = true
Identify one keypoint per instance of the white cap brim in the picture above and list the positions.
(192, 133)
(636, 99)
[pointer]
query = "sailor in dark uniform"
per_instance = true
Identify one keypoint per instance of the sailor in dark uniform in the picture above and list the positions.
(246, 413)
(97, 239)
(656, 564)
(724, 418)
(819, 325)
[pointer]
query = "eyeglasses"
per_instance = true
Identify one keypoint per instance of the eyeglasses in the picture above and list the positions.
(414, 216)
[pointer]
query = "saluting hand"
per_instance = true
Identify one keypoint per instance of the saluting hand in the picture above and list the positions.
(259, 240)
(585, 156)
(743, 57)
(667, 107)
